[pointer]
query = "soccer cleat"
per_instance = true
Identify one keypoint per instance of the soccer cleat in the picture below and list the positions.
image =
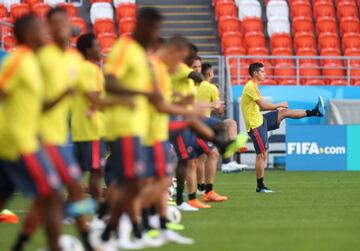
(171, 236)
(175, 226)
(79, 208)
(150, 241)
(235, 145)
(7, 216)
(320, 107)
(130, 245)
(186, 207)
(233, 167)
(98, 244)
(199, 192)
(264, 190)
(212, 196)
(97, 224)
(198, 204)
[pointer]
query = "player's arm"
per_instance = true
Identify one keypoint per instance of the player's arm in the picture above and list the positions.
(100, 103)
(2, 94)
(112, 86)
(197, 77)
(267, 106)
(49, 104)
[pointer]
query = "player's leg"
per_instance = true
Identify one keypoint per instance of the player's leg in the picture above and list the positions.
(200, 174)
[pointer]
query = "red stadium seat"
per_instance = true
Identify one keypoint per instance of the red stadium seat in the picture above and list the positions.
(280, 40)
(8, 29)
(251, 24)
(226, 24)
(3, 11)
(258, 51)
(9, 42)
(307, 52)
(351, 41)
(103, 25)
(71, 9)
(347, 9)
(40, 9)
(78, 21)
(280, 51)
(126, 25)
(310, 74)
(353, 53)
(235, 51)
(106, 40)
(304, 40)
(323, 9)
(126, 10)
(301, 8)
(349, 24)
(326, 24)
(31, 3)
(254, 39)
(101, 1)
(328, 40)
(302, 24)
(330, 52)
(18, 10)
(231, 39)
(268, 81)
(333, 72)
(225, 8)
(355, 75)
(285, 74)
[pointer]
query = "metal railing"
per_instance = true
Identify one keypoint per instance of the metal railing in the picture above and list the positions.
(218, 64)
(5, 27)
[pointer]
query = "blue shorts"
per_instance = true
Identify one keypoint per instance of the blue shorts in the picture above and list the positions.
(91, 154)
(33, 175)
(211, 122)
(126, 161)
(63, 158)
(158, 160)
(259, 135)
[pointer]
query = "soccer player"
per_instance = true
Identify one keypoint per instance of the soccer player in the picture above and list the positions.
(23, 163)
(257, 125)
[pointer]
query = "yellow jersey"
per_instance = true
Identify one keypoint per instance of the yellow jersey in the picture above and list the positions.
(20, 108)
(207, 92)
(129, 64)
(86, 122)
(181, 84)
(159, 122)
(250, 109)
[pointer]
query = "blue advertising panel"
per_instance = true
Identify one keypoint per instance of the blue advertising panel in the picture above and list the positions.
(316, 148)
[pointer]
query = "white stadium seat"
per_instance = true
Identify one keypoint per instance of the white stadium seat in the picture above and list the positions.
(53, 3)
(101, 10)
(8, 3)
(249, 8)
(277, 8)
(278, 25)
(118, 2)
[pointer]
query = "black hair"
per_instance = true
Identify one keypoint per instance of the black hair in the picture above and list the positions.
(149, 15)
(193, 48)
(22, 27)
(255, 67)
(56, 10)
(178, 41)
(205, 67)
(196, 58)
(85, 42)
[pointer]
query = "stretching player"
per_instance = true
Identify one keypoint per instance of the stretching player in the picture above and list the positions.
(258, 125)
(23, 164)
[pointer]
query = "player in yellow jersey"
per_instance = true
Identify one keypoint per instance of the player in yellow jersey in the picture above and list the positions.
(257, 124)
(23, 163)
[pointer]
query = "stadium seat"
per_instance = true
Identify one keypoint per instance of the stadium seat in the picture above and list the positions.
(304, 40)
(249, 8)
(330, 52)
(231, 39)
(350, 41)
(347, 9)
(285, 74)
(277, 9)
(126, 10)
(332, 72)
(258, 51)
(268, 81)
(40, 9)
(307, 52)
(227, 24)
(101, 1)
(9, 42)
(239, 73)
(101, 10)
(349, 24)
(310, 74)
(71, 9)
(254, 39)
(8, 29)
(355, 75)
(328, 40)
(301, 8)
(323, 9)
(103, 25)
(302, 24)
(278, 40)
(18, 10)
(78, 21)
(53, 3)
(281, 51)
(326, 24)
(251, 24)
(106, 40)
(118, 2)
(126, 25)
(225, 8)
(278, 25)
(3, 11)
(31, 3)
(8, 3)
(235, 51)
(355, 52)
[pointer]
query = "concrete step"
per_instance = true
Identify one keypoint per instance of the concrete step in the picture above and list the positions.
(175, 8)
(188, 31)
(174, 2)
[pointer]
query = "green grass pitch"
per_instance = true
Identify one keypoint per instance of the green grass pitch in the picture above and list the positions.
(310, 211)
